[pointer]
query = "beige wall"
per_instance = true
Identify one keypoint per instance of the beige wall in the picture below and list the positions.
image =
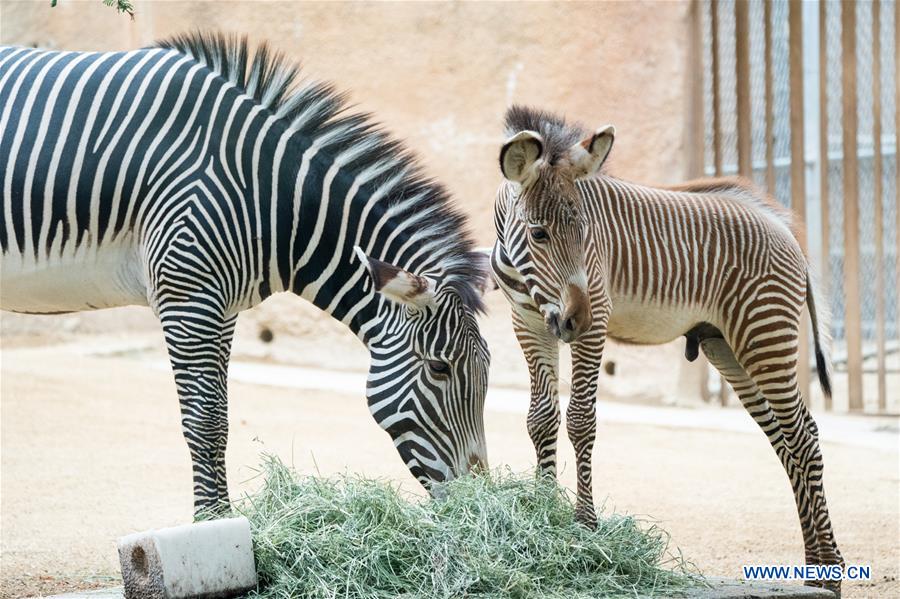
(441, 74)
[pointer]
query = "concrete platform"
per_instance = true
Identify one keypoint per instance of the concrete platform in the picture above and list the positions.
(722, 588)
(728, 588)
(111, 593)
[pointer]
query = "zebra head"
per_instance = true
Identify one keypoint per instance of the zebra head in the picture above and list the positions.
(429, 369)
(545, 228)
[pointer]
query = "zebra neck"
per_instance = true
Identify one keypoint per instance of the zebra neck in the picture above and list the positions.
(329, 210)
(346, 296)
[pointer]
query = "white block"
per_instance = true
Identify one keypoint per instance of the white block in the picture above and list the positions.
(206, 559)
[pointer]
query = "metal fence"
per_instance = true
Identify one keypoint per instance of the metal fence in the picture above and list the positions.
(783, 81)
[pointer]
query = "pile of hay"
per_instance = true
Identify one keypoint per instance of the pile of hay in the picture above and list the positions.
(492, 536)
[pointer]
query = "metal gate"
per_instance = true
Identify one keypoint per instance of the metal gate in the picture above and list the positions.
(802, 97)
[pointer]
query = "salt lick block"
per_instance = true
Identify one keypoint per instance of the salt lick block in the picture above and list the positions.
(206, 559)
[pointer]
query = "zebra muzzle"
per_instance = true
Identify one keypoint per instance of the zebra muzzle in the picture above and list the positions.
(564, 328)
(575, 320)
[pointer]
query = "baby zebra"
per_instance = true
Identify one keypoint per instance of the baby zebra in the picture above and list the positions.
(195, 179)
(582, 256)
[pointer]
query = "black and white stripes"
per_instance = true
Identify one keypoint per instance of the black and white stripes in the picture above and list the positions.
(714, 260)
(198, 179)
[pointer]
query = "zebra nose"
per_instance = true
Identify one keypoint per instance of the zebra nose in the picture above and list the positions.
(574, 323)
(569, 331)
(577, 317)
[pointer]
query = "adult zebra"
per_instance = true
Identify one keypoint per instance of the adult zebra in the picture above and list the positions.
(583, 256)
(198, 181)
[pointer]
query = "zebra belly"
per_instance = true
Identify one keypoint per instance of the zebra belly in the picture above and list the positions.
(88, 280)
(647, 323)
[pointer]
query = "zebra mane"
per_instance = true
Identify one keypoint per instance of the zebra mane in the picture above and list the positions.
(559, 135)
(318, 110)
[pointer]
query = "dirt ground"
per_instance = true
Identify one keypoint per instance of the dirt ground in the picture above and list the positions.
(91, 449)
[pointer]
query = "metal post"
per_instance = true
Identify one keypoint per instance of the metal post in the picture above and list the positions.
(824, 163)
(897, 149)
(878, 199)
(742, 77)
(849, 117)
(770, 109)
(716, 101)
(717, 132)
(798, 166)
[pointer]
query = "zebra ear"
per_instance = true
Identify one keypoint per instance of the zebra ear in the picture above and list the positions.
(587, 156)
(397, 284)
(519, 155)
(482, 256)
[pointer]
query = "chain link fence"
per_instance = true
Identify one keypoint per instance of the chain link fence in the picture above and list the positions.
(781, 137)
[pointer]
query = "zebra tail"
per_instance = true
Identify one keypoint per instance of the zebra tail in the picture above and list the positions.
(820, 338)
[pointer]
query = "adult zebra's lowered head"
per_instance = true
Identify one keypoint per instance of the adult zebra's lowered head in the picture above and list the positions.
(199, 177)
(429, 369)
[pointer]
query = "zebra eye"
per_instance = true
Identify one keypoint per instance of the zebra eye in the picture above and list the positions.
(539, 234)
(438, 368)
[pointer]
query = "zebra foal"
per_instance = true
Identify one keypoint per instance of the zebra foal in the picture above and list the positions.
(582, 256)
(198, 180)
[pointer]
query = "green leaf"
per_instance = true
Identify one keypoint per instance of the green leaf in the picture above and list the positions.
(121, 6)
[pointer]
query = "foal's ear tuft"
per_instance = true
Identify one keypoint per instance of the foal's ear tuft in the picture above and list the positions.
(519, 155)
(396, 284)
(587, 156)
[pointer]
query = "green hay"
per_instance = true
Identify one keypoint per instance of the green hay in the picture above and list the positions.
(492, 536)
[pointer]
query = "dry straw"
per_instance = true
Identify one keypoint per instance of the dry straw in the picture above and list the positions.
(500, 535)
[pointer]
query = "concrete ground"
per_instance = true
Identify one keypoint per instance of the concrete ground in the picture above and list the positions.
(718, 589)
(91, 449)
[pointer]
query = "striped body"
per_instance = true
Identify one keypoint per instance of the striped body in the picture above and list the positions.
(669, 264)
(160, 151)
(660, 262)
(716, 261)
(196, 181)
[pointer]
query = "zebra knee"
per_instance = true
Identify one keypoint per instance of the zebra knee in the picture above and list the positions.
(811, 425)
(581, 423)
(207, 438)
(543, 423)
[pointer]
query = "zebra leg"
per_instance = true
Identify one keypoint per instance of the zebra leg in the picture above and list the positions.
(199, 346)
(542, 355)
(581, 421)
(719, 354)
(775, 374)
(224, 357)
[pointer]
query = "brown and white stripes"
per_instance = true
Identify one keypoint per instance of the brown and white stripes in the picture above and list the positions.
(583, 256)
